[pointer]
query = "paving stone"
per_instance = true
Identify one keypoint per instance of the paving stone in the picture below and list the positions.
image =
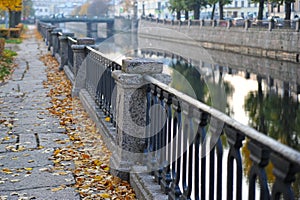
(26, 159)
(37, 179)
(54, 140)
(34, 134)
(42, 194)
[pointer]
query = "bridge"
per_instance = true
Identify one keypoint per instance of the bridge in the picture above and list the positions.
(163, 152)
(91, 23)
(86, 19)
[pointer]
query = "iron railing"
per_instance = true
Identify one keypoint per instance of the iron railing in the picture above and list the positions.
(100, 83)
(232, 23)
(189, 156)
(197, 151)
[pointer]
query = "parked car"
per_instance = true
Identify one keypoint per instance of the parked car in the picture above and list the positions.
(262, 23)
(238, 21)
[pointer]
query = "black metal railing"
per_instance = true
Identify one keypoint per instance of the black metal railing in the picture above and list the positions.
(100, 83)
(198, 151)
(193, 150)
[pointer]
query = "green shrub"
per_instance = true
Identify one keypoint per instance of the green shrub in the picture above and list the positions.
(6, 63)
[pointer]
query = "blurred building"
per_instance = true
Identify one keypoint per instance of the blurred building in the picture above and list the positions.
(52, 7)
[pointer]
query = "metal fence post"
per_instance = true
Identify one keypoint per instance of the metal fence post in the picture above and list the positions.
(131, 114)
(64, 49)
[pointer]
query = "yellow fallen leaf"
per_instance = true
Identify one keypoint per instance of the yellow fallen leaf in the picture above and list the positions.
(105, 195)
(6, 171)
(56, 189)
(97, 162)
(28, 168)
(57, 151)
(107, 119)
(98, 178)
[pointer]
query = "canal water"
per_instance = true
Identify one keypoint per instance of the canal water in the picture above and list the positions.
(259, 92)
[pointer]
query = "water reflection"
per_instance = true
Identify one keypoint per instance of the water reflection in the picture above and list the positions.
(258, 92)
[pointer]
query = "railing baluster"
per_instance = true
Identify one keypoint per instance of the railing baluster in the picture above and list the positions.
(235, 141)
(166, 174)
(175, 191)
(190, 139)
(260, 158)
(160, 137)
(285, 172)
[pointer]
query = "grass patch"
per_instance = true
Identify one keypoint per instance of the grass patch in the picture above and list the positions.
(6, 63)
(13, 41)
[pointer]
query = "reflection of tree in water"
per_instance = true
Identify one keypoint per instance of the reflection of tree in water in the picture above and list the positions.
(277, 117)
(188, 80)
(212, 91)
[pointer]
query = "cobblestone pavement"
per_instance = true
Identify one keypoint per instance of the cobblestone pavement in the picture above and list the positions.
(28, 133)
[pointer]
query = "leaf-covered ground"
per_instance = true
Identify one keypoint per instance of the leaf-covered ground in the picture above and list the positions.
(88, 151)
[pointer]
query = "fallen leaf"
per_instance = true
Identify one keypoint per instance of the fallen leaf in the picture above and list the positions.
(105, 195)
(15, 180)
(6, 171)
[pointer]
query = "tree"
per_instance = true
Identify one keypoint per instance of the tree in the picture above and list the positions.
(260, 8)
(176, 6)
(195, 6)
(14, 8)
(213, 4)
(288, 9)
(222, 3)
(98, 8)
(27, 8)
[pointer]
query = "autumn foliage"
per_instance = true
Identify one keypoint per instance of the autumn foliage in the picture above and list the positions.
(11, 5)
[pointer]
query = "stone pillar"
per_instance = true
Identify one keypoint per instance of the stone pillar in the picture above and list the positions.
(55, 41)
(247, 24)
(64, 49)
(229, 24)
(214, 23)
(202, 22)
(49, 37)
(80, 53)
(271, 24)
(131, 114)
(297, 25)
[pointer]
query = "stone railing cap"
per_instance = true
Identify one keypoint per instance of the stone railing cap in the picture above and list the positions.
(141, 66)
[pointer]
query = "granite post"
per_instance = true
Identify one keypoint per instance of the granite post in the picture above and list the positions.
(64, 49)
(80, 53)
(131, 113)
(55, 41)
(49, 37)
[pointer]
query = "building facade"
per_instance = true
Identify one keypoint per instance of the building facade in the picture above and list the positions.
(52, 7)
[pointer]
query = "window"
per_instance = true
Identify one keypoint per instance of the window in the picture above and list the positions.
(235, 4)
(242, 4)
(249, 3)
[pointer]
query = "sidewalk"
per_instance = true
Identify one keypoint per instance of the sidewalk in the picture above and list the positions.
(29, 134)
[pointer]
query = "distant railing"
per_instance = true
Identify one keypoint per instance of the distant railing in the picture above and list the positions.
(195, 151)
(231, 23)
